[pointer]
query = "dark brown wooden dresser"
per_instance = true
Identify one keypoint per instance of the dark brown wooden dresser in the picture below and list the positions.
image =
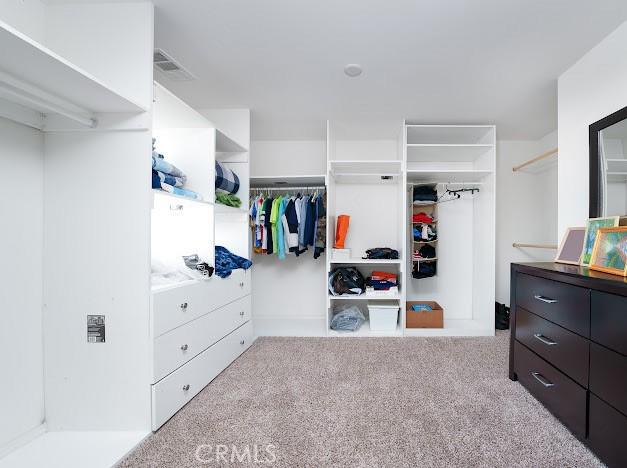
(569, 350)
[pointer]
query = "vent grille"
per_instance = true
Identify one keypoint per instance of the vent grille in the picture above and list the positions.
(169, 67)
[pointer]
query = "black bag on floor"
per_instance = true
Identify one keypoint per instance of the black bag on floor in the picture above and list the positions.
(501, 316)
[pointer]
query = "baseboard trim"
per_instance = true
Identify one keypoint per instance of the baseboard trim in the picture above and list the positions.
(23, 439)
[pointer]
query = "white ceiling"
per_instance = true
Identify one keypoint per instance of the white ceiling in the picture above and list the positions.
(434, 61)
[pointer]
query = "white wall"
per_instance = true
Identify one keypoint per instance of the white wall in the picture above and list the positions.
(289, 295)
(591, 89)
(526, 207)
(21, 244)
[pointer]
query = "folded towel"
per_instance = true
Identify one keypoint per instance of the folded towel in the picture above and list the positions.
(181, 191)
(228, 199)
(170, 179)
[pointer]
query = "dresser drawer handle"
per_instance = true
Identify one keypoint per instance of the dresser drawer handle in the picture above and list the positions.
(542, 379)
(548, 300)
(242, 342)
(184, 306)
(544, 339)
(241, 284)
(185, 387)
(242, 313)
(184, 347)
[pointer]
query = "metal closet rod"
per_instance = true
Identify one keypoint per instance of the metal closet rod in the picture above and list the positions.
(286, 188)
(415, 184)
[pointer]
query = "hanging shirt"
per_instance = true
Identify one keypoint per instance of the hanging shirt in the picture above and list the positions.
(291, 225)
(274, 219)
(268, 226)
(321, 225)
(310, 222)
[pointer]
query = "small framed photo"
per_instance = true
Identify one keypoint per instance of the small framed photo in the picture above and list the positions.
(571, 246)
(594, 224)
(610, 251)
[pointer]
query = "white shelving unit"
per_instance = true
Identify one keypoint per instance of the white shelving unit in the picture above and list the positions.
(456, 156)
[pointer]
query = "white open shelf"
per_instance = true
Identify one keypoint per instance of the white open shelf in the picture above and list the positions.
(40, 80)
(447, 134)
(287, 181)
(447, 176)
(178, 198)
(366, 297)
(381, 167)
(364, 331)
(617, 176)
(446, 152)
(224, 209)
(367, 261)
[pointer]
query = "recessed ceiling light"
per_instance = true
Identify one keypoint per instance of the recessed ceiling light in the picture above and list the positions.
(353, 70)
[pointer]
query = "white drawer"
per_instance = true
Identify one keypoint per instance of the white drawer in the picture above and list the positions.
(174, 391)
(178, 346)
(173, 307)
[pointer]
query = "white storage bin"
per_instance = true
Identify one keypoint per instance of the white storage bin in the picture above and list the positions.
(383, 315)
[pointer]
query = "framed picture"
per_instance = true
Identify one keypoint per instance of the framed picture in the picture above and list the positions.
(571, 246)
(610, 251)
(594, 224)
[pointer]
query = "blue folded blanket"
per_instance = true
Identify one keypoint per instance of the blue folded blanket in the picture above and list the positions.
(226, 262)
(161, 165)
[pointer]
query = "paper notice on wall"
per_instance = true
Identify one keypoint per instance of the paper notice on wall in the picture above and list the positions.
(95, 328)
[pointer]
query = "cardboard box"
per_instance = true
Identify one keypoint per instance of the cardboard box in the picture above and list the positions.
(424, 319)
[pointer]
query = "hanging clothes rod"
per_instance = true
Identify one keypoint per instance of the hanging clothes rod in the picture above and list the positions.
(534, 160)
(416, 184)
(534, 246)
(288, 188)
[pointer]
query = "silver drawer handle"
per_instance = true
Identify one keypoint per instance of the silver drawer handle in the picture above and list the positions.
(242, 313)
(176, 207)
(184, 347)
(242, 342)
(544, 339)
(241, 284)
(542, 379)
(184, 306)
(548, 300)
(185, 387)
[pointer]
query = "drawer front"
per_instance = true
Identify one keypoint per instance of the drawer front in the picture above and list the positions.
(174, 391)
(178, 346)
(172, 308)
(561, 395)
(566, 305)
(607, 433)
(564, 349)
(608, 376)
(609, 321)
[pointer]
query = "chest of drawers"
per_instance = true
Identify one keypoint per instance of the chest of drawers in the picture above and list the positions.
(569, 349)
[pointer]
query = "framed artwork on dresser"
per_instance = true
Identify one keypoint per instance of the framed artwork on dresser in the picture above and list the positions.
(593, 225)
(610, 251)
(571, 246)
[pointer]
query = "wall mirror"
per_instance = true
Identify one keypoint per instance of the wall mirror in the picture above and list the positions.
(608, 165)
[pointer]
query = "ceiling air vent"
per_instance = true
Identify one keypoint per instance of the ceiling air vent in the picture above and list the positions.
(169, 67)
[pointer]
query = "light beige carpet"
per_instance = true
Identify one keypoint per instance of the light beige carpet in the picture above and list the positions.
(365, 402)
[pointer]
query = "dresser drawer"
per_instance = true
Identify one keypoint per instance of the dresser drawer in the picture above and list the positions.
(564, 349)
(609, 321)
(173, 307)
(175, 348)
(566, 305)
(606, 437)
(608, 376)
(561, 395)
(175, 390)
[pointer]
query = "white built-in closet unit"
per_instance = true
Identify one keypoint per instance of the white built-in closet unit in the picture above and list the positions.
(370, 171)
(77, 124)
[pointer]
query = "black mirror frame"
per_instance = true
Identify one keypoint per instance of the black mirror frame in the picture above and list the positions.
(594, 206)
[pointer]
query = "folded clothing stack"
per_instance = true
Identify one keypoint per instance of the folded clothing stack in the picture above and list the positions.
(424, 270)
(425, 195)
(381, 253)
(424, 233)
(425, 252)
(168, 177)
(382, 283)
(421, 218)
